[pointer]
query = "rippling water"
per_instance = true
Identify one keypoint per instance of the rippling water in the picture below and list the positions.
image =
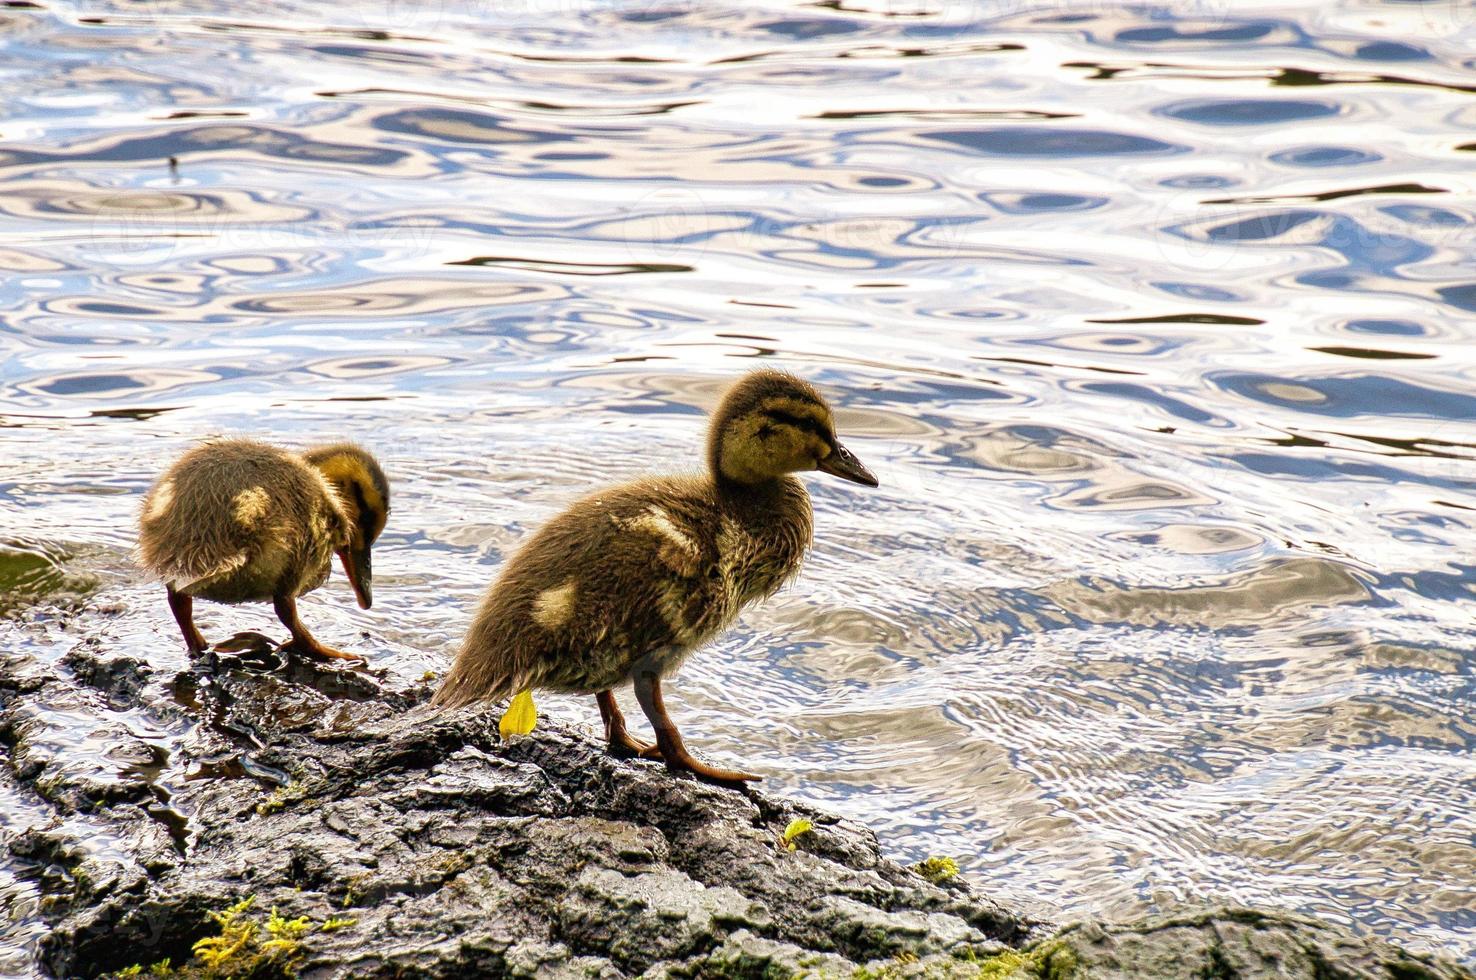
(1155, 322)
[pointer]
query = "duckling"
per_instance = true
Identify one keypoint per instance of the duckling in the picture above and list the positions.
(240, 521)
(631, 579)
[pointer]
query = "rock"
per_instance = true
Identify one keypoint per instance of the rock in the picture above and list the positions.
(344, 830)
(1227, 943)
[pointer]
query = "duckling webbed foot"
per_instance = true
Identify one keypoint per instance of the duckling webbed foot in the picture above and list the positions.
(302, 641)
(621, 743)
(669, 740)
(183, 607)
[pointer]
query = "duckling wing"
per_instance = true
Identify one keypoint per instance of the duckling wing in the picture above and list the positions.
(183, 582)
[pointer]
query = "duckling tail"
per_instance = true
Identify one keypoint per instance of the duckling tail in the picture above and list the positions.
(460, 689)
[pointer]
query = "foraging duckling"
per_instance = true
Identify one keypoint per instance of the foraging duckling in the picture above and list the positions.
(240, 521)
(631, 579)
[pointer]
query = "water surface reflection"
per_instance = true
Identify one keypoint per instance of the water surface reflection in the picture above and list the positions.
(1155, 324)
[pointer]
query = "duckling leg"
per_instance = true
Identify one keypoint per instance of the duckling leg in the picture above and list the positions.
(183, 607)
(303, 641)
(622, 745)
(669, 740)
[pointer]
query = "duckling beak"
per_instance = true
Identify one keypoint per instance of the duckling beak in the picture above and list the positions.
(844, 464)
(360, 575)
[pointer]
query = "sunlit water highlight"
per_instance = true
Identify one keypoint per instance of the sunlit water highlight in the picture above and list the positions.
(1154, 321)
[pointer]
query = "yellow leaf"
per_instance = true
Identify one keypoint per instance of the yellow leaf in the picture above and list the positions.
(520, 716)
(797, 826)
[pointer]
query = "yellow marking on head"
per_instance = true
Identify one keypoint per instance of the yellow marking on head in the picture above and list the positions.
(250, 506)
(160, 502)
(351, 472)
(554, 607)
(345, 470)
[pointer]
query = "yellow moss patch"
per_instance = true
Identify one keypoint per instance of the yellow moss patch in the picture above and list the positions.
(246, 946)
(283, 796)
(937, 869)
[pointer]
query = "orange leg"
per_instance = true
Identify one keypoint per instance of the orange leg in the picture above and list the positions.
(303, 641)
(622, 745)
(183, 607)
(669, 740)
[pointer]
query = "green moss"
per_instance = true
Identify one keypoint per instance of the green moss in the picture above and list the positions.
(454, 863)
(1052, 961)
(937, 869)
(1218, 967)
(750, 968)
(246, 948)
(891, 970)
(333, 923)
(284, 796)
(1002, 965)
(356, 887)
(1055, 961)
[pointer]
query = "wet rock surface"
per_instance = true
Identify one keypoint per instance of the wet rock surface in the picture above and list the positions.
(331, 813)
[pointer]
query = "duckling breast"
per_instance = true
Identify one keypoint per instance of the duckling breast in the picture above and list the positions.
(763, 539)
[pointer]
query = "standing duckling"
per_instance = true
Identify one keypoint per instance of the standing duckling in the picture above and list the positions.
(631, 579)
(240, 521)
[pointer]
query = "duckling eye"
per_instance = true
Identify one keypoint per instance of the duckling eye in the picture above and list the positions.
(366, 515)
(765, 431)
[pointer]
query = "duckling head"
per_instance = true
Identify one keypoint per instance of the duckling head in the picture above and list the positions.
(364, 492)
(771, 423)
